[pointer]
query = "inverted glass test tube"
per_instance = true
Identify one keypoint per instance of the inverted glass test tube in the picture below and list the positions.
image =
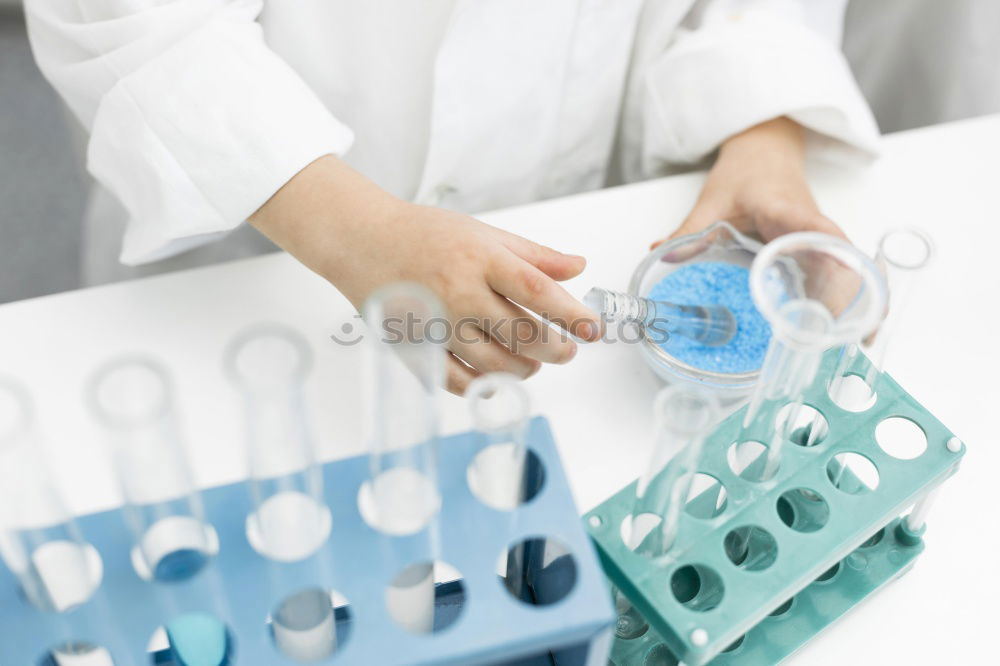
(902, 256)
(134, 398)
(39, 541)
(683, 417)
(290, 521)
(817, 292)
(405, 369)
(404, 372)
(500, 407)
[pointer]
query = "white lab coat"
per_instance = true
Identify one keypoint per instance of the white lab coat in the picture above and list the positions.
(199, 110)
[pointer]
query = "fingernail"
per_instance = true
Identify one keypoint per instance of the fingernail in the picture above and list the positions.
(588, 330)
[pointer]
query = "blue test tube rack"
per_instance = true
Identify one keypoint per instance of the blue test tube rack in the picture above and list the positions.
(819, 541)
(242, 588)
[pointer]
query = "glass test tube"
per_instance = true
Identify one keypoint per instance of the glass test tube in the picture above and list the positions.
(500, 406)
(902, 256)
(405, 369)
(499, 475)
(817, 292)
(712, 325)
(269, 364)
(134, 399)
(683, 418)
(40, 543)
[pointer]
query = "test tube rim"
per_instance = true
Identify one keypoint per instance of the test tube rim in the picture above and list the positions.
(298, 342)
(842, 251)
(479, 386)
(118, 362)
(916, 232)
(710, 408)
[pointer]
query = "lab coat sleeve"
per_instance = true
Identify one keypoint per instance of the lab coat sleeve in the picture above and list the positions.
(194, 122)
(736, 63)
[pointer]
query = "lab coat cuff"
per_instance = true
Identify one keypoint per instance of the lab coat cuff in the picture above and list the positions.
(198, 139)
(718, 81)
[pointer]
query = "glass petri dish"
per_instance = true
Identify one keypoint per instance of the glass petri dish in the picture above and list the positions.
(720, 242)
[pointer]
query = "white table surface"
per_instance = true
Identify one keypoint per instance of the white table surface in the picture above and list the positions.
(945, 179)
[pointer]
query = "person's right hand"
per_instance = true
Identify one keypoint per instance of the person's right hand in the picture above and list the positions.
(358, 237)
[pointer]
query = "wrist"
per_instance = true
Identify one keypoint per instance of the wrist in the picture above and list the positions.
(780, 141)
(322, 214)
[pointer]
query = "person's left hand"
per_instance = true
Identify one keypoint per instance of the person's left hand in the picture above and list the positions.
(758, 185)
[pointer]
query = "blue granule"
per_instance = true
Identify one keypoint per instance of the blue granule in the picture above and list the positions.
(716, 283)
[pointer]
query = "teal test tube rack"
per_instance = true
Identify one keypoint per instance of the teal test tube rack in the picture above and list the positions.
(814, 540)
(241, 589)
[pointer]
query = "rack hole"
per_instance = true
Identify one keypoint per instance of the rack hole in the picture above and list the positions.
(804, 424)
(901, 438)
(748, 459)
(660, 655)
(828, 574)
(707, 497)
(505, 476)
(630, 623)
(426, 597)
(697, 587)
(310, 624)
(751, 548)
(803, 510)
(732, 647)
(76, 653)
(595, 521)
(538, 571)
(783, 608)
(193, 638)
(852, 393)
(636, 529)
(874, 539)
(174, 549)
(852, 473)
